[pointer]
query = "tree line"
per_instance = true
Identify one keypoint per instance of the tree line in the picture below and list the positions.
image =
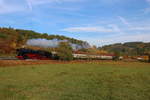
(128, 49)
(11, 39)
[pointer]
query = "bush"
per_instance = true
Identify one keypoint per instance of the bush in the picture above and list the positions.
(149, 58)
(65, 51)
(117, 55)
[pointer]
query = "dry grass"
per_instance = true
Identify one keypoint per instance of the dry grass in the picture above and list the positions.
(12, 63)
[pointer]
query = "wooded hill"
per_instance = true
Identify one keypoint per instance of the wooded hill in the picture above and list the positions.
(11, 39)
(128, 48)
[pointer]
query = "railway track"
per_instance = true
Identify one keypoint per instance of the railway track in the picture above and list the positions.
(8, 58)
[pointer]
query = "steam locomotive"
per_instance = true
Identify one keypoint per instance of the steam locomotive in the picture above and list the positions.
(33, 54)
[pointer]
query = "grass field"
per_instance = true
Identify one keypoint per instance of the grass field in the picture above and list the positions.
(77, 81)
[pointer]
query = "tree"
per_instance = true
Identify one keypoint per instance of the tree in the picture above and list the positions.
(65, 51)
(147, 52)
(149, 58)
(117, 55)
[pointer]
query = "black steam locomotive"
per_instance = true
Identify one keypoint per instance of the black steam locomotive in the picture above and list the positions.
(33, 54)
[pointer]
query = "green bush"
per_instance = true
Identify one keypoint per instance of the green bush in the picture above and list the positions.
(65, 51)
(3, 35)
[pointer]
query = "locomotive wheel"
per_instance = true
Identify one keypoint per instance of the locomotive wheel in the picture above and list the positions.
(25, 57)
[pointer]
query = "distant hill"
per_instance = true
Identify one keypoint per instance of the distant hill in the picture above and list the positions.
(10, 38)
(128, 48)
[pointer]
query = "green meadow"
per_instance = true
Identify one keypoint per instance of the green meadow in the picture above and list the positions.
(76, 81)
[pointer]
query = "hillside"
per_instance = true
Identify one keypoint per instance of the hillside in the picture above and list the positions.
(11, 39)
(128, 48)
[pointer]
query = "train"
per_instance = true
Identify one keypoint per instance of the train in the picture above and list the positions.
(93, 56)
(23, 54)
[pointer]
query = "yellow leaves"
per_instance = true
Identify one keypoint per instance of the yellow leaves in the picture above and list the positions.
(13, 45)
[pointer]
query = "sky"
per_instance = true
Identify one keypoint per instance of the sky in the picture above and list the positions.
(99, 22)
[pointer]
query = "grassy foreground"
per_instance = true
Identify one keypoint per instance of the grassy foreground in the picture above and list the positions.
(90, 81)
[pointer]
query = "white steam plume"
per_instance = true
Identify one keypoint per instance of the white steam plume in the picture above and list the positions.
(54, 43)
